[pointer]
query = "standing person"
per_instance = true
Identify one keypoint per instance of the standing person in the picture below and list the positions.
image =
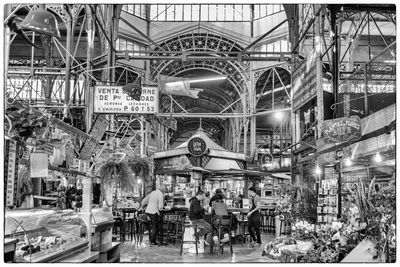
(155, 203)
(206, 201)
(240, 201)
(196, 212)
(254, 218)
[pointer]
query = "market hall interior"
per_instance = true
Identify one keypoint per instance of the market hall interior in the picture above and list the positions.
(207, 132)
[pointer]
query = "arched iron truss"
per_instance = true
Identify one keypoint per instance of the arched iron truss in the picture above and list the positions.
(210, 100)
(202, 42)
(213, 127)
(269, 79)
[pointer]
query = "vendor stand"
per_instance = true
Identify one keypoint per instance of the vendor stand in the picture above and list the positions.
(200, 162)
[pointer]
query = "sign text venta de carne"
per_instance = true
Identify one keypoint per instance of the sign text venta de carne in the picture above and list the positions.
(342, 129)
(111, 99)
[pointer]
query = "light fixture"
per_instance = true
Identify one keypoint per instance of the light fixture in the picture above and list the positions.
(41, 21)
(208, 79)
(139, 181)
(318, 170)
(378, 157)
(278, 115)
(348, 162)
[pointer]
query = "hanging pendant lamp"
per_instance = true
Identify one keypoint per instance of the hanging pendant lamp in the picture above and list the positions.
(41, 21)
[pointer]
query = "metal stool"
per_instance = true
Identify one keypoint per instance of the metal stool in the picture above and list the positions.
(129, 219)
(264, 227)
(224, 224)
(143, 223)
(119, 228)
(185, 226)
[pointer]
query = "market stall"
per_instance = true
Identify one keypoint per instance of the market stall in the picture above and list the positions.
(50, 216)
(192, 163)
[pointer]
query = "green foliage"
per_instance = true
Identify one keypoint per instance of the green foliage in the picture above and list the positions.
(25, 122)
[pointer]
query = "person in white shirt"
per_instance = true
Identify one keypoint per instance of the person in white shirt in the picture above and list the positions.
(155, 203)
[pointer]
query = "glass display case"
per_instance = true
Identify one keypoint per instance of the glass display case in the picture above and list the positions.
(45, 235)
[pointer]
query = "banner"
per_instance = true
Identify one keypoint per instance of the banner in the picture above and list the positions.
(112, 99)
(177, 86)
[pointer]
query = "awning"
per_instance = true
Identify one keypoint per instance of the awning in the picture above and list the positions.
(281, 175)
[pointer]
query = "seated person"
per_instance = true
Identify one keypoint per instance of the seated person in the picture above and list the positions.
(196, 213)
(218, 194)
(220, 217)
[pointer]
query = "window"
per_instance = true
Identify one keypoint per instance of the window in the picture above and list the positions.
(261, 11)
(178, 12)
(195, 12)
(201, 12)
(187, 12)
(204, 12)
(229, 13)
(122, 44)
(212, 12)
(137, 10)
(171, 13)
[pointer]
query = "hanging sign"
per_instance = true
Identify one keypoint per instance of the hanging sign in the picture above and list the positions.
(342, 129)
(112, 99)
(304, 81)
(11, 171)
(98, 129)
(197, 146)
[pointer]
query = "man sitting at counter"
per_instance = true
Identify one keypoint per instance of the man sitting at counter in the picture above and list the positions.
(196, 212)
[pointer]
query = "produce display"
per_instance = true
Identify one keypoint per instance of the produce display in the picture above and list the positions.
(279, 245)
(42, 246)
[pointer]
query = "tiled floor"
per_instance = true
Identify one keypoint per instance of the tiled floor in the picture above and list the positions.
(143, 253)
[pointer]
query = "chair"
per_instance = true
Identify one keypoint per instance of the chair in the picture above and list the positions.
(118, 230)
(271, 221)
(129, 219)
(186, 225)
(143, 223)
(222, 221)
(174, 228)
(264, 227)
(242, 220)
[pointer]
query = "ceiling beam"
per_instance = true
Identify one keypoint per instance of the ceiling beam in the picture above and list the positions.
(310, 23)
(141, 33)
(189, 58)
(264, 35)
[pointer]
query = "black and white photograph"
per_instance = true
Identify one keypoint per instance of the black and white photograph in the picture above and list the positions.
(155, 132)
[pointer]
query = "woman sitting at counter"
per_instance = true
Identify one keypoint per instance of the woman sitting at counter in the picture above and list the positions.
(219, 194)
(196, 213)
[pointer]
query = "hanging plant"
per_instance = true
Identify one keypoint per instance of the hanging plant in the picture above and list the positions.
(25, 122)
(141, 168)
(115, 173)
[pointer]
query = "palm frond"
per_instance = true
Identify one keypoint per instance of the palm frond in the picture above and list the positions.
(141, 167)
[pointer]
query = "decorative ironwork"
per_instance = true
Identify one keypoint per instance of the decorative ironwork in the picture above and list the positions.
(204, 160)
(204, 42)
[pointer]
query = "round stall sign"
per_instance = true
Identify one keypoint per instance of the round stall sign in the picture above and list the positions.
(197, 146)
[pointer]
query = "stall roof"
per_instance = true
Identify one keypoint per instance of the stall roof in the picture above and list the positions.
(230, 172)
(215, 150)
